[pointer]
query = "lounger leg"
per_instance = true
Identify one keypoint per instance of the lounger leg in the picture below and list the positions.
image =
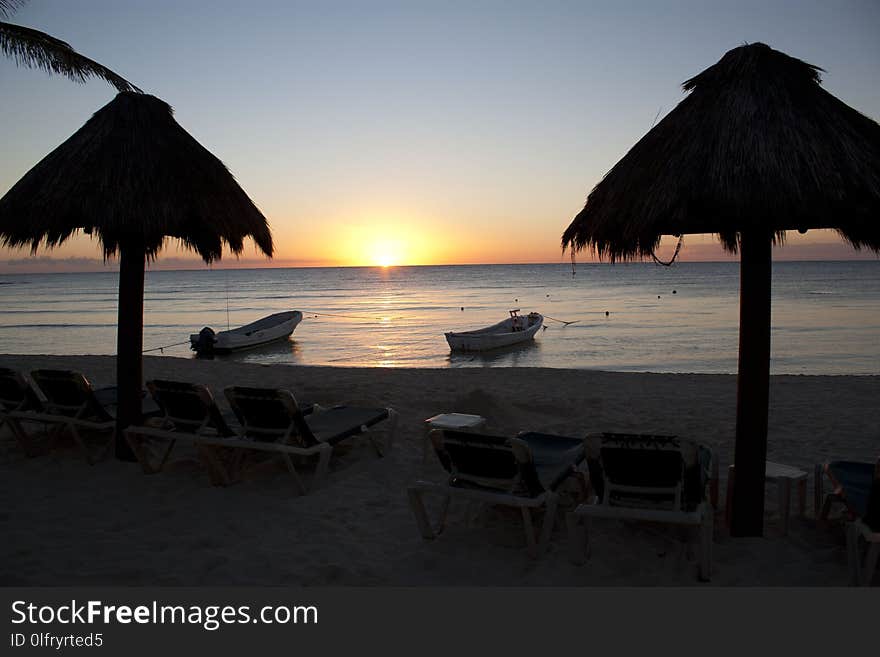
(529, 527)
(417, 504)
(216, 471)
(323, 466)
(392, 430)
(22, 437)
(104, 452)
(137, 445)
(390, 433)
(297, 481)
(238, 464)
(137, 448)
(802, 497)
(852, 554)
(444, 513)
(164, 459)
(549, 521)
(728, 498)
(81, 443)
(584, 487)
(54, 433)
(713, 484)
(706, 535)
(822, 520)
(783, 491)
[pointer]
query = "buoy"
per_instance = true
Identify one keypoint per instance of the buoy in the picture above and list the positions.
(674, 292)
(462, 309)
(607, 313)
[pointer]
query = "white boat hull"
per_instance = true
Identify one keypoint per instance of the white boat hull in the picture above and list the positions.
(502, 334)
(268, 329)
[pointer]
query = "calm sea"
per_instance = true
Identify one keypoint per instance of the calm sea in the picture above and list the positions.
(826, 315)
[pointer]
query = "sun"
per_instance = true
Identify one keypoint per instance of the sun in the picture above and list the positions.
(385, 253)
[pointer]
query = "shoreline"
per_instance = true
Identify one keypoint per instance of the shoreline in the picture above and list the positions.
(260, 532)
(226, 361)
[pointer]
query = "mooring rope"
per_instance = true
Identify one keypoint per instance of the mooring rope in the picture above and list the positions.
(345, 316)
(561, 321)
(167, 346)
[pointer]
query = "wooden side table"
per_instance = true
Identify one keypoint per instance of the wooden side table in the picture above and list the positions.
(453, 421)
(783, 476)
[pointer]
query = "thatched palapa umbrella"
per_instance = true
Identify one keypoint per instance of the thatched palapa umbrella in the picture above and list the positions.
(757, 148)
(132, 177)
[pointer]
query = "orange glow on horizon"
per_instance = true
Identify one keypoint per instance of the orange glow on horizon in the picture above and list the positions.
(399, 240)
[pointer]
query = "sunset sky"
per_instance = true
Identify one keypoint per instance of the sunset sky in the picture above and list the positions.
(374, 133)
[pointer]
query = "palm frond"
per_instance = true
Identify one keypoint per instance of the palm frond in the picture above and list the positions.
(9, 7)
(35, 49)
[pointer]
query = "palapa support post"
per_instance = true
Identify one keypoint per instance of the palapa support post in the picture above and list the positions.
(752, 383)
(129, 344)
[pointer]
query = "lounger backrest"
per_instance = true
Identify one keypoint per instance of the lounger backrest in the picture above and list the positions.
(188, 407)
(647, 470)
(269, 414)
(485, 461)
(69, 393)
(16, 394)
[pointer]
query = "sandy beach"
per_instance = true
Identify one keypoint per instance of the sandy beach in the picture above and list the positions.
(66, 523)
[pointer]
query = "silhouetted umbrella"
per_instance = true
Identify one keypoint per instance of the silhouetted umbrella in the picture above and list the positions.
(756, 149)
(132, 177)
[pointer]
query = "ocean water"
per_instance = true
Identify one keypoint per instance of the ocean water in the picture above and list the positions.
(826, 315)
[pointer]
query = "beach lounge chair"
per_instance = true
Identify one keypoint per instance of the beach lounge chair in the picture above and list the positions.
(17, 395)
(661, 479)
(189, 414)
(523, 472)
(273, 421)
(850, 487)
(71, 406)
(855, 486)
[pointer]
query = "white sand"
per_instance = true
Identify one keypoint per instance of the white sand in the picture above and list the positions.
(64, 522)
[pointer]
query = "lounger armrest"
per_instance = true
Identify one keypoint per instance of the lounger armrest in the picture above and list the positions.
(35, 416)
(486, 496)
(220, 441)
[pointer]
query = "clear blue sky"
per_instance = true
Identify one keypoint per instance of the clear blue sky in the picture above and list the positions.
(416, 131)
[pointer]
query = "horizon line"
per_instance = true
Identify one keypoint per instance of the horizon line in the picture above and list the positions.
(115, 268)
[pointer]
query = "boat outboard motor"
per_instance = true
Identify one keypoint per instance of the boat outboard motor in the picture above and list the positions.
(205, 343)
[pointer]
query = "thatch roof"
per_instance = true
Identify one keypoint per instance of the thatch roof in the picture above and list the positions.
(132, 175)
(756, 143)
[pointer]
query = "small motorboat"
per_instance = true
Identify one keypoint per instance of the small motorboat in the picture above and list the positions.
(268, 329)
(512, 330)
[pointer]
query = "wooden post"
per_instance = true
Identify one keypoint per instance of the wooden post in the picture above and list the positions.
(753, 383)
(129, 344)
